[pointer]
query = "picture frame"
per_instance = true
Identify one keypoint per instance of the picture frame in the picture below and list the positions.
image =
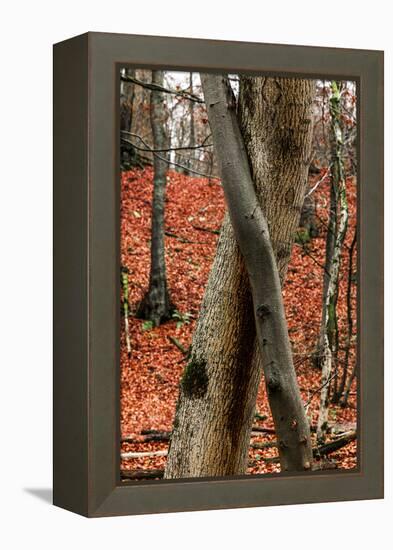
(86, 439)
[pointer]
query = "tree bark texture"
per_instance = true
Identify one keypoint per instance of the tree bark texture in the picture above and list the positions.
(212, 426)
(156, 305)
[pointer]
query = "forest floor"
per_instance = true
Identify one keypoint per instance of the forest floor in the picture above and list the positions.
(150, 377)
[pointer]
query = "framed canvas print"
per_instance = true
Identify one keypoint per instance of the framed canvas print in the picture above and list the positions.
(218, 274)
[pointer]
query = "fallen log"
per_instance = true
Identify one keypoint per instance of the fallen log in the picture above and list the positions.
(162, 436)
(335, 445)
(260, 429)
(142, 454)
(157, 435)
(149, 438)
(141, 474)
(265, 445)
(154, 432)
(323, 450)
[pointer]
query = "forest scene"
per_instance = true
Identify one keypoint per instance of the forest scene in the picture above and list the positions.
(238, 215)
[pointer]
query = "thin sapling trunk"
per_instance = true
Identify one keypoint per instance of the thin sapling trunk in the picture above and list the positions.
(156, 305)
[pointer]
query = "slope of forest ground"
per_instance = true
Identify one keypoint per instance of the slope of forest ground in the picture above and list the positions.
(150, 377)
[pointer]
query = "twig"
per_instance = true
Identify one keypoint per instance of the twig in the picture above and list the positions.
(182, 239)
(199, 228)
(314, 187)
(320, 388)
(176, 342)
(313, 259)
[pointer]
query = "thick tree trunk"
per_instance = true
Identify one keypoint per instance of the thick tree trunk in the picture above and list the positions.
(219, 387)
(156, 305)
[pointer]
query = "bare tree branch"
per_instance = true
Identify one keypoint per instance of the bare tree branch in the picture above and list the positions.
(315, 186)
(170, 162)
(151, 150)
(158, 88)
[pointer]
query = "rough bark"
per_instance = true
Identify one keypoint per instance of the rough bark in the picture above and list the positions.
(219, 387)
(329, 321)
(156, 305)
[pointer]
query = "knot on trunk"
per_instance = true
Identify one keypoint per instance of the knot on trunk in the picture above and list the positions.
(273, 385)
(263, 311)
(293, 424)
(195, 379)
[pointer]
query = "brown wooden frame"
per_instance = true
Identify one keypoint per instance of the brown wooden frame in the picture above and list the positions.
(87, 274)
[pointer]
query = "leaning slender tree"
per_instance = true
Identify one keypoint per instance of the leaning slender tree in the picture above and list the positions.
(264, 165)
(156, 304)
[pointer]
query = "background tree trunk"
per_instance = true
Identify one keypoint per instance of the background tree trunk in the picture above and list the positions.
(343, 382)
(330, 243)
(212, 426)
(192, 140)
(127, 92)
(329, 331)
(156, 305)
